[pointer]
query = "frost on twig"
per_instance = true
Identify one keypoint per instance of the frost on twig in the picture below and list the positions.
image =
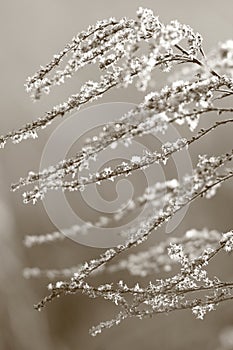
(120, 67)
(144, 263)
(203, 182)
(152, 197)
(127, 51)
(123, 169)
(178, 292)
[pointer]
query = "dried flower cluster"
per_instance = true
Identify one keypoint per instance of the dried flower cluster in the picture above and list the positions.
(197, 90)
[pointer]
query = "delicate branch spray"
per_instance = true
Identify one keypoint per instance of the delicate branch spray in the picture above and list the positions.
(115, 46)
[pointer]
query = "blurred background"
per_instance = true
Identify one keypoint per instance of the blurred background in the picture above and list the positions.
(31, 32)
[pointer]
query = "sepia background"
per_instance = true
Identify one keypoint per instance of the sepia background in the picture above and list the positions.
(31, 32)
